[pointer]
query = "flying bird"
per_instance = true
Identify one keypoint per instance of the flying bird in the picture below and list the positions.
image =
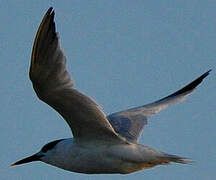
(101, 144)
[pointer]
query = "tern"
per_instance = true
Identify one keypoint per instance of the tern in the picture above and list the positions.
(101, 144)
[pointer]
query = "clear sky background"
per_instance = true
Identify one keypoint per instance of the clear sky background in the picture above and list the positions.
(122, 53)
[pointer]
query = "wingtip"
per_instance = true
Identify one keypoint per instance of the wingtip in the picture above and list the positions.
(203, 76)
(191, 86)
(50, 12)
(197, 81)
(207, 73)
(46, 23)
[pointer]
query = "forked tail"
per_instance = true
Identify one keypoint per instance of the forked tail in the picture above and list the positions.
(167, 158)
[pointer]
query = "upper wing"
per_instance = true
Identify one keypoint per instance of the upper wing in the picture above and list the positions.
(53, 85)
(130, 123)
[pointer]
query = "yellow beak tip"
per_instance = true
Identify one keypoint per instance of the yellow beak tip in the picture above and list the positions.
(13, 165)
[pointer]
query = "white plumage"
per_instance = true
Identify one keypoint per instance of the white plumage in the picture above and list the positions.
(100, 143)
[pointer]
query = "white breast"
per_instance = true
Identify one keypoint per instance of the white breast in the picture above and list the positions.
(97, 158)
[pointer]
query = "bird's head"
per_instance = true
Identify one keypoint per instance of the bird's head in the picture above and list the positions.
(40, 155)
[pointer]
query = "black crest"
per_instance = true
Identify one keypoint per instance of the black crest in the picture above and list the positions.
(50, 145)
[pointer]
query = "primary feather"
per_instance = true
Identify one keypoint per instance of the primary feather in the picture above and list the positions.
(131, 122)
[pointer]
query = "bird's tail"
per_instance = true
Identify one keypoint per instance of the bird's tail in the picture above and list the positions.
(167, 158)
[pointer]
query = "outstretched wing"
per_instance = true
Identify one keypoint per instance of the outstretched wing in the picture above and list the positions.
(53, 85)
(130, 123)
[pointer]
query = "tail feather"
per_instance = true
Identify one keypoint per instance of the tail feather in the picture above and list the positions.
(167, 158)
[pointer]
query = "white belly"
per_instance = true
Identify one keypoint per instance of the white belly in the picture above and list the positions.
(97, 158)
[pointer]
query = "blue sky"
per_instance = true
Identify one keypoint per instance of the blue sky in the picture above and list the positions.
(122, 53)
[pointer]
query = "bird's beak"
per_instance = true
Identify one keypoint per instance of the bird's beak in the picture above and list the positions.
(35, 157)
